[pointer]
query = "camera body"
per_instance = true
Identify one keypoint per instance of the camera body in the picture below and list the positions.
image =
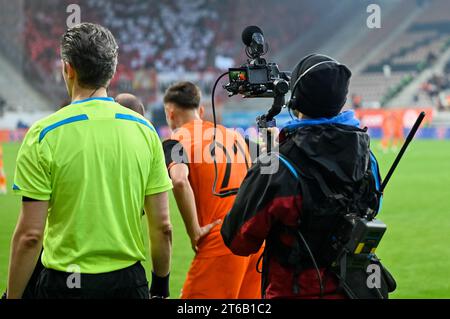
(258, 79)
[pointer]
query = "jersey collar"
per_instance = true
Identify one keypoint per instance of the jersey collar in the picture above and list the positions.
(107, 99)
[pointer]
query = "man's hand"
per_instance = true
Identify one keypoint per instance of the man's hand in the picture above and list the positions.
(202, 232)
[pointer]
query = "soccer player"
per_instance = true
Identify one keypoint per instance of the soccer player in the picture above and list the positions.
(392, 129)
(85, 173)
(215, 272)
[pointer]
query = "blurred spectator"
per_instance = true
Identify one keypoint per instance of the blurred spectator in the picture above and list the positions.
(22, 125)
(2, 106)
(356, 101)
(437, 88)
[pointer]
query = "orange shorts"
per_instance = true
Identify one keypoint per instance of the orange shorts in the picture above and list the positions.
(223, 277)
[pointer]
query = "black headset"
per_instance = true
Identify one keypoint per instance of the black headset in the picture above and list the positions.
(293, 100)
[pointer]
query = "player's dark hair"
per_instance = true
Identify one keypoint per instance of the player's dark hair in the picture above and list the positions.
(185, 95)
(92, 51)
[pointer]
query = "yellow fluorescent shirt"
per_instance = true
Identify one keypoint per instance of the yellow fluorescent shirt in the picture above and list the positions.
(94, 161)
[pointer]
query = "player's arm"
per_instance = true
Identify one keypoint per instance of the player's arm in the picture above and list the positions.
(26, 246)
(184, 196)
(176, 161)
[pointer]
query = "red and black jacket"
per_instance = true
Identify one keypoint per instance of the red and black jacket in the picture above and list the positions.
(267, 204)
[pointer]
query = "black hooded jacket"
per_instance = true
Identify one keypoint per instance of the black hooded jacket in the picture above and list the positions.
(336, 154)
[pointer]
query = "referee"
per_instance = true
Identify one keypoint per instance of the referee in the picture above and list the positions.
(85, 173)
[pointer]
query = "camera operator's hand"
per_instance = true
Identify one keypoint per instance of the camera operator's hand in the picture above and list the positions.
(273, 132)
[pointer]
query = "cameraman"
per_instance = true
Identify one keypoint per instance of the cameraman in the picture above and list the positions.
(325, 168)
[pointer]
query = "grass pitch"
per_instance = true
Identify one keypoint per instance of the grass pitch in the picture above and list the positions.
(416, 208)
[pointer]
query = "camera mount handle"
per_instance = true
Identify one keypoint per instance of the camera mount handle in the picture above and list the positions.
(267, 120)
(409, 138)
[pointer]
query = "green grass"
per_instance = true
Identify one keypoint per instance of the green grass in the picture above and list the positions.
(416, 208)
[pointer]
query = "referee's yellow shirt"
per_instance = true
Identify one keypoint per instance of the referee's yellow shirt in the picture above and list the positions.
(94, 161)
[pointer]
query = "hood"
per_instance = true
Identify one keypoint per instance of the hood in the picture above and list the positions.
(337, 148)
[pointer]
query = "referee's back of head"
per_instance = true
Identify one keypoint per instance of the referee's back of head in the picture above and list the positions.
(92, 51)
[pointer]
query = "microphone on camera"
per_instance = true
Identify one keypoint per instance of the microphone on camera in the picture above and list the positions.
(253, 38)
(252, 33)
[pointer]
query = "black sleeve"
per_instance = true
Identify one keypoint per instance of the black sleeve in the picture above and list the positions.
(174, 152)
(265, 196)
(28, 199)
(246, 211)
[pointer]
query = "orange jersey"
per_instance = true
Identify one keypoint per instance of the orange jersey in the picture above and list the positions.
(193, 145)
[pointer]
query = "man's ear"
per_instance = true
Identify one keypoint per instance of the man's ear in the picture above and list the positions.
(170, 112)
(68, 70)
(201, 111)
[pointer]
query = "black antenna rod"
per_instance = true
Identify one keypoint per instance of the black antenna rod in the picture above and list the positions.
(402, 150)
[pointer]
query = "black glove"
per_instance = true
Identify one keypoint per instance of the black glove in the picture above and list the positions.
(159, 287)
(4, 296)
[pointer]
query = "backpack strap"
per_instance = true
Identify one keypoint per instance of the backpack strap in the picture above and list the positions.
(290, 166)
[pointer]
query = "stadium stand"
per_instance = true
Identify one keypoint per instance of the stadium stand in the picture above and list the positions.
(406, 55)
(160, 42)
(431, 87)
(167, 40)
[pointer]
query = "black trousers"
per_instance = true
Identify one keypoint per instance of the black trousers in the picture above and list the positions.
(127, 283)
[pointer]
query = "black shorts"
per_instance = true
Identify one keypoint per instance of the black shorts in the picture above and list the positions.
(127, 283)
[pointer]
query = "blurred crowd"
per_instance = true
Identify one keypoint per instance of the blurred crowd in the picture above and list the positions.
(157, 37)
(437, 89)
(167, 35)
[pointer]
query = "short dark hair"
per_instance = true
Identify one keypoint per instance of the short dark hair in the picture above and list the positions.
(92, 51)
(185, 94)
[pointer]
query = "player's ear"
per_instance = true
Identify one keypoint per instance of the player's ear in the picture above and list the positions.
(201, 111)
(171, 113)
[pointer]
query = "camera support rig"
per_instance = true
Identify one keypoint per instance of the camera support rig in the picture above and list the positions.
(259, 79)
(265, 121)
